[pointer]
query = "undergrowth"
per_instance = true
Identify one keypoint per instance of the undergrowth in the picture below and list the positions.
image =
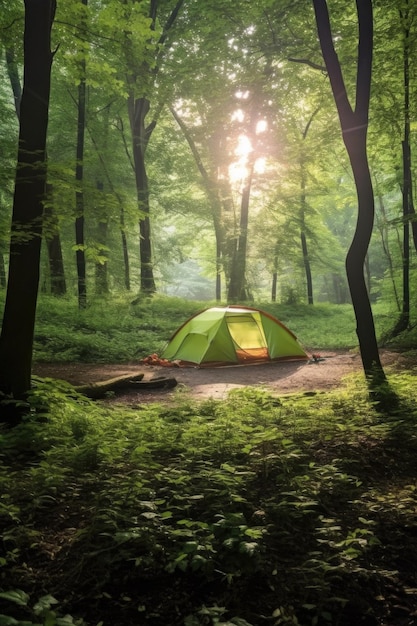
(257, 510)
(124, 329)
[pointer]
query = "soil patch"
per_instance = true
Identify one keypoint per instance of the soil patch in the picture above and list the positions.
(204, 383)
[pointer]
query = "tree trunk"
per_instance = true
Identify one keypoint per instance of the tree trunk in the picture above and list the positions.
(303, 207)
(125, 250)
(16, 340)
(214, 198)
(403, 321)
(237, 286)
(307, 268)
(407, 161)
(138, 109)
(51, 231)
(382, 227)
(274, 286)
(354, 125)
(102, 282)
(79, 194)
(58, 285)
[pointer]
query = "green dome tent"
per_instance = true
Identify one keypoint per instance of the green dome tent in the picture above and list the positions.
(232, 335)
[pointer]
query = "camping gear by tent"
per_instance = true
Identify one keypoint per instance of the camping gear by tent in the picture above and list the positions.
(232, 335)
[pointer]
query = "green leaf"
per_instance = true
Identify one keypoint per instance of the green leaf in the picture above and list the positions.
(17, 596)
(44, 603)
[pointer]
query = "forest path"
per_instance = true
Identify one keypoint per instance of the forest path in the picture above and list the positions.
(204, 383)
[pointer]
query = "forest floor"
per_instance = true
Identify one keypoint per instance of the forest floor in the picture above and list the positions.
(328, 372)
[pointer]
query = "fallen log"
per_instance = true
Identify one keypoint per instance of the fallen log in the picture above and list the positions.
(98, 390)
(155, 383)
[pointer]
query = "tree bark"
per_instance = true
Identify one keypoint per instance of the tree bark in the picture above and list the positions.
(16, 340)
(303, 207)
(354, 124)
(237, 286)
(58, 286)
(79, 194)
(138, 109)
(408, 211)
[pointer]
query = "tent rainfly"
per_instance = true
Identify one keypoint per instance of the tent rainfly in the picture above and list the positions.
(232, 335)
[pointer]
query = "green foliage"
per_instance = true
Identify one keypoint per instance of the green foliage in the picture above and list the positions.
(301, 505)
(127, 329)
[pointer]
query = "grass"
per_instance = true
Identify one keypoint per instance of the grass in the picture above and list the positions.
(118, 331)
(257, 510)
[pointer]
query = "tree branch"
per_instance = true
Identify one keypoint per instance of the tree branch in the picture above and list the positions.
(315, 66)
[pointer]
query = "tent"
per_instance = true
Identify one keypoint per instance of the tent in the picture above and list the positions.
(232, 335)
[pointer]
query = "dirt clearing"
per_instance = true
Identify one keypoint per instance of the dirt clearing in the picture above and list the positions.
(203, 383)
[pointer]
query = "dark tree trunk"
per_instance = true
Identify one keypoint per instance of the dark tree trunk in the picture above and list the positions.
(307, 268)
(102, 282)
(58, 286)
(274, 286)
(407, 160)
(354, 125)
(51, 230)
(125, 250)
(79, 194)
(16, 340)
(138, 109)
(403, 321)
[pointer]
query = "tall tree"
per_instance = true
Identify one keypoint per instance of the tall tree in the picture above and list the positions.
(354, 124)
(50, 226)
(408, 210)
(141, 81)
(30, 181)
(79, 173)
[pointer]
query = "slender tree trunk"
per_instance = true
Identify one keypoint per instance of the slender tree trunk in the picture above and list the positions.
(16, 340)
(403, 321)
(307, 268)
(102, 281)
(58, 285)
(237, 286)
(79, 194)
(138, 109)
(214, 199)
(382, 224)
(407, 159)
(303, 207)
(125, 250)
(354, 125)
(274, 286)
